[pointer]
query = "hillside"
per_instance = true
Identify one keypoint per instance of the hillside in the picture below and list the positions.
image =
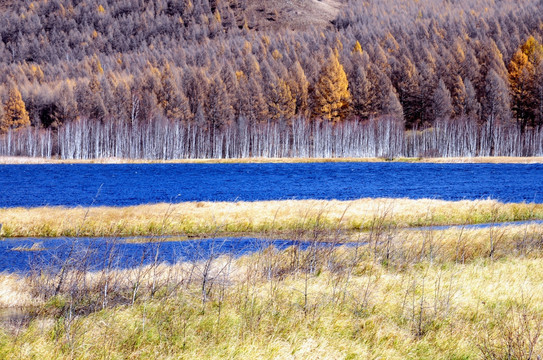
(293, 14)
(218, 65)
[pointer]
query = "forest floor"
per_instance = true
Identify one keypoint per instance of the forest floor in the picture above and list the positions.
(442, 160)
(473, 294)
(291, 218)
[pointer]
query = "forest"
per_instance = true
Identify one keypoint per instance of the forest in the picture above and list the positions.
(170, 79)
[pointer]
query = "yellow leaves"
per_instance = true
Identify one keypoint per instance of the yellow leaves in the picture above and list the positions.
(357, 49)
(240, 75)
(339, 44)
(96, 65)
(277, 55)
(533, 50)
(282, 105)
(37, 73)
(266, 40)
(94, 34)
(247, 47)
(217, 16)
(101, 9)
(527, 57)
(332, 91)
(15, 114)
(94, 85)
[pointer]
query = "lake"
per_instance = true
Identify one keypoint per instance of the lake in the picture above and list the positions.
(134, 184)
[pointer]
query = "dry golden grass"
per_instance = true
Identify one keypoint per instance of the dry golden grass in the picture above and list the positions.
(427, 311)
(277, 217)
(14, 292)
(413, 298)
(489, 159)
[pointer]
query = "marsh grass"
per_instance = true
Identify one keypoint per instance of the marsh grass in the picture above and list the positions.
(287, 218)
(391, 293)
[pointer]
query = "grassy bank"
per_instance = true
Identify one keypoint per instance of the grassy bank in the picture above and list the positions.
(452, 160)
(291, 217)
(413, 297)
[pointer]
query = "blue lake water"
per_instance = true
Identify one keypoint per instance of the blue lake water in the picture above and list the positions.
(98, 253)
(133, 184)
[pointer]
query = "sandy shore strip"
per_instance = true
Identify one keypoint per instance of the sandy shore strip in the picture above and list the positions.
(451, 160)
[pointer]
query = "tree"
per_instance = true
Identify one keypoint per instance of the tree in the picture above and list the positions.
(522, 79)
(361, 93)
(332, 96)
(219, 111)
(497, 109)
(281, 103)
(497, 106)
(299, 86)
(539, 95)
(472, 107)
(173, 101)
(15, 115)
(391, 105)
(442, 102)
(458, 95)
(521, 76)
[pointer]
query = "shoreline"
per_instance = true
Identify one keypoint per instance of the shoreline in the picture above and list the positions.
(14, 160)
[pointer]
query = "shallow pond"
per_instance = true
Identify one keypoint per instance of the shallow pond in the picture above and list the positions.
(25, 254)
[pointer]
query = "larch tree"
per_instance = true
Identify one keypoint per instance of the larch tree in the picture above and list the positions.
(522, 79)
(332, 96)
(281, 103)
(472, 107)
(361, 93)
(497, 109)
(539, 95)
(15, 114)
(391, 105)
(442, 102)
(458, 96)
(254, 105)
(521, 75)
(219, 110)
(299, 86)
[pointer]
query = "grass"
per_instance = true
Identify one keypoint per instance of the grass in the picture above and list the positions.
(412, 297)
(489, 159)
(281, 218)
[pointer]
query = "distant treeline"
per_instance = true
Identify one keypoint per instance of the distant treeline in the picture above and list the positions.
(150, 68)
(166, 140)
